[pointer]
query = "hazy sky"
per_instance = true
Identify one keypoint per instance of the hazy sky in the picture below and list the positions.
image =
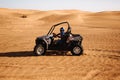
(86, 5)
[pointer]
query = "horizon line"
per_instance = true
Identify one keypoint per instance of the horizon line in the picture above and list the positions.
(54, 9)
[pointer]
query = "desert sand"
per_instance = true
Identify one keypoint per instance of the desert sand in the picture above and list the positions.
(101, 33)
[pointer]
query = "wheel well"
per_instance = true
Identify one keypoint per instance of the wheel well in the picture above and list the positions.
(41, 42)
(74, 43)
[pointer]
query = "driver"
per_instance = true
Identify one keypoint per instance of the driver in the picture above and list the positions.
(62, 33)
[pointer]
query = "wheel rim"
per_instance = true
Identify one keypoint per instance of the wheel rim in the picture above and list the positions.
(40, 50)
(77, 50)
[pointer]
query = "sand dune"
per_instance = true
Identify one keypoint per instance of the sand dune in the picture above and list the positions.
(101, 33)
(75, 18)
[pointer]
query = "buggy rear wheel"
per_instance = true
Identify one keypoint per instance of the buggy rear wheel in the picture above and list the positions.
(39, 50)
(77, 50)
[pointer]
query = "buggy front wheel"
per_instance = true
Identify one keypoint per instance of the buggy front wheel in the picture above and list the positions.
(39, 50)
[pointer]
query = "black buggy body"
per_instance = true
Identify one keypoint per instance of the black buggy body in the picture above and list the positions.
(51, 41)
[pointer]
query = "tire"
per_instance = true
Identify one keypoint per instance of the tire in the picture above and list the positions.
(77, 50)
(39, 50)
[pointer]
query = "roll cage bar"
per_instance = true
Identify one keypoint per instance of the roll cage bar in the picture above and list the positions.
(53, 27)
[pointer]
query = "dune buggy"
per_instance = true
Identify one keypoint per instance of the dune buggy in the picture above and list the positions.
(51, 41)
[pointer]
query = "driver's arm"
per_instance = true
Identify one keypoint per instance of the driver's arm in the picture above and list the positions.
(57, 35)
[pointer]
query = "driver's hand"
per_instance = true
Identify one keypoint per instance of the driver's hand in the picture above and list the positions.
(54, 35)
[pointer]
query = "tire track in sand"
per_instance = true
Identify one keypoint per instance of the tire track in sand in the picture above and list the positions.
(91, 74)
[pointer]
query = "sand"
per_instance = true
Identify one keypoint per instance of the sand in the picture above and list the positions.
(101, 33)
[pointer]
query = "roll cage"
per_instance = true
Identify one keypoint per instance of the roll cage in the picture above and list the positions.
(53, 27)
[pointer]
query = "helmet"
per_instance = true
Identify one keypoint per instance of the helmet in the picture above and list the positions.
(61, 29)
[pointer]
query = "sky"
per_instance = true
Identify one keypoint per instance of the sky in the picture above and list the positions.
(85, 5)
